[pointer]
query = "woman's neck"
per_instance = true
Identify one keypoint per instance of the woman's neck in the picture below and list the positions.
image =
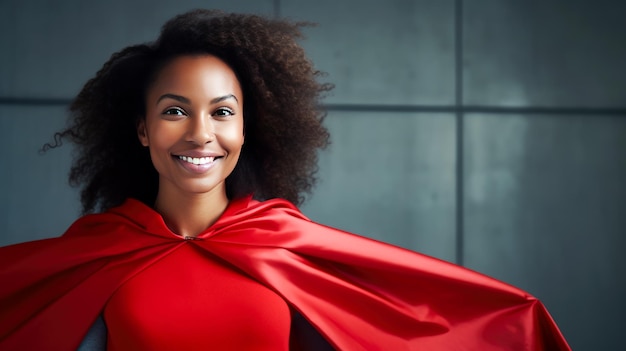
(190, 214)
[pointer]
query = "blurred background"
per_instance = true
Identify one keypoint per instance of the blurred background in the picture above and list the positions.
(489, 133)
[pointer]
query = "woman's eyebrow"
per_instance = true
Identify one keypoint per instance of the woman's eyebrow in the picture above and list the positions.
(225, 97)
(182, 99)
(187, 101)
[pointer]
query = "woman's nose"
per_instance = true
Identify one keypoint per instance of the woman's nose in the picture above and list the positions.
(201, 129)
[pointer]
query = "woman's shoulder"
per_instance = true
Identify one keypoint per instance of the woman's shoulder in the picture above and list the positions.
(131, 212)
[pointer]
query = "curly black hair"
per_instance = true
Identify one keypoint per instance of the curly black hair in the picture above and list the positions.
(282, 118)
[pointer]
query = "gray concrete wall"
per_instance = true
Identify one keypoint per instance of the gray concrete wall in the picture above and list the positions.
(488, 133)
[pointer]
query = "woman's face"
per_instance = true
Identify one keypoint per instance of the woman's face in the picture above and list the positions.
(194, 124)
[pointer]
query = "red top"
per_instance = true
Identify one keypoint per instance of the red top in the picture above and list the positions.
(190, 300)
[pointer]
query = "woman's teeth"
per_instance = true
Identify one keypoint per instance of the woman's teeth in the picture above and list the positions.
(197, 160)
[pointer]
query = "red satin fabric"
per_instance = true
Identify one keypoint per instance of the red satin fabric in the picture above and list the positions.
(358, 293)
(189, 300)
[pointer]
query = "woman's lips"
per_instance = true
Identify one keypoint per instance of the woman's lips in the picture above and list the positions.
(196, 165)
(197, 160)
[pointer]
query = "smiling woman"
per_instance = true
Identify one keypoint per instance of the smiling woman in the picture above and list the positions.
(196, 149)
(194, 130)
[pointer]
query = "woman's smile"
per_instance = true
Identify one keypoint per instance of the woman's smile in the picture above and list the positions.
(198, 164)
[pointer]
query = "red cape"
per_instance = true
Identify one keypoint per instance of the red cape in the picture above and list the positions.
(360, 294)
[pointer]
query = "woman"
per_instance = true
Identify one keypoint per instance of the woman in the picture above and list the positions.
(194, 148)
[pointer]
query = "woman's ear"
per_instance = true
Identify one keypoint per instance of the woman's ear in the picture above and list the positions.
(142, 133)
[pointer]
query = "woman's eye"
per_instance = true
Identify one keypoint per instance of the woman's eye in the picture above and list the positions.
(174, 112)
(223, 112)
